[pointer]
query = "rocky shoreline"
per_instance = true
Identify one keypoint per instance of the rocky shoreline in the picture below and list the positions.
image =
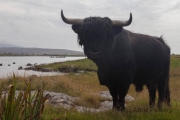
(68, 69)
(68, 102)
(61, 99)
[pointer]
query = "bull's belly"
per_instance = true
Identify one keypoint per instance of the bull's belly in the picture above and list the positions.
(145, 77)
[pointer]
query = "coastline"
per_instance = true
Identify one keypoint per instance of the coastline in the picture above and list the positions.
(24, 65)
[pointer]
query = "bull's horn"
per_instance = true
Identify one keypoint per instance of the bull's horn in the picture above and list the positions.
(71, 21)
(122, 23)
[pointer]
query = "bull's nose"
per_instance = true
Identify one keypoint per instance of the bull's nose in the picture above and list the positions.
(94, 53)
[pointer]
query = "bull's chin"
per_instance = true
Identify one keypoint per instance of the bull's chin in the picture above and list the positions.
(92, 57)
(95, 58)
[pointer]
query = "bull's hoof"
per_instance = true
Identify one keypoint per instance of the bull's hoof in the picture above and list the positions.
(168, 104)
(160, 105)
(152, 105)
(118, 108)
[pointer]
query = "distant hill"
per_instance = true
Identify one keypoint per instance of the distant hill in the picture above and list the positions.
(37, 51)
(8, 45)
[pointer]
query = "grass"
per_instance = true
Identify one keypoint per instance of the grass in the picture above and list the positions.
(129, 114)
(175, 61)
(84, 65)
(84, 85)
(23, 105)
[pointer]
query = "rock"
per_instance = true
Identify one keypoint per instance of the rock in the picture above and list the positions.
(69, 69)
(9, 65)
(106, 105)
(86, 109)
(106, 94)
(14, 63)
(129, 98)
(1, 64)
(60, 99)
(81, 71)
(46, 70)
(29, 64)
(39, 69)
(30, 68)
(20, 68)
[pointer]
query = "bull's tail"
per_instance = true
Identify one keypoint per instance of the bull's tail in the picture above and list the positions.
(167, 68)
(166, 72)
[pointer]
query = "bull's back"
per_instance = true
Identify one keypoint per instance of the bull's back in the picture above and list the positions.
(150, 56)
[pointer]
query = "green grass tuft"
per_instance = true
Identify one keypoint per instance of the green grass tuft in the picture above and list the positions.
(83, 64)
(24, 105)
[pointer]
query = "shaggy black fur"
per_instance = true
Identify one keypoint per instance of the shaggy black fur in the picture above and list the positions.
(96, 30)
(124, 57)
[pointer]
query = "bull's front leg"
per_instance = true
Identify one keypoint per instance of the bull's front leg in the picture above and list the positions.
(122, 91)
(123, 84)
(114, 95)
(118, 95)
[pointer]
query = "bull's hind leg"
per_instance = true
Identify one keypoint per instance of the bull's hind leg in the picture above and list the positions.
(164, 94)
(167, 96)
(152, 94)
(163, 90)
(167, 92)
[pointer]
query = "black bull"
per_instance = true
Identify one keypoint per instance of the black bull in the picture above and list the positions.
(124, 57)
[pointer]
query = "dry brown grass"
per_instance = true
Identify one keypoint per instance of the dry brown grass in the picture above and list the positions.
(77, 85)
(85, 84)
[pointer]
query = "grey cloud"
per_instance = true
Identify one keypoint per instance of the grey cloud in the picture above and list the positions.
(37, 23)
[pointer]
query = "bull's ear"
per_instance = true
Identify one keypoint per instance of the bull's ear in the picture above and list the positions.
(76, 28)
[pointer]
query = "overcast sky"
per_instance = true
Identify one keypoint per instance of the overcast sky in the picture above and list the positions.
(37, 23)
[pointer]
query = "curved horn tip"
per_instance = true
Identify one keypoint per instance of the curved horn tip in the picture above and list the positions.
(61, 12)
(71, 21)
(130, 18)
(63, 17)
(130, 15)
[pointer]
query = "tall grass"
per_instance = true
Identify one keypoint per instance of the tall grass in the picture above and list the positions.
(21, 106)
(135, 110)
(84, 85)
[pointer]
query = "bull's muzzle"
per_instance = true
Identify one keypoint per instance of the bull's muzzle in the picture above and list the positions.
(94, 55)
